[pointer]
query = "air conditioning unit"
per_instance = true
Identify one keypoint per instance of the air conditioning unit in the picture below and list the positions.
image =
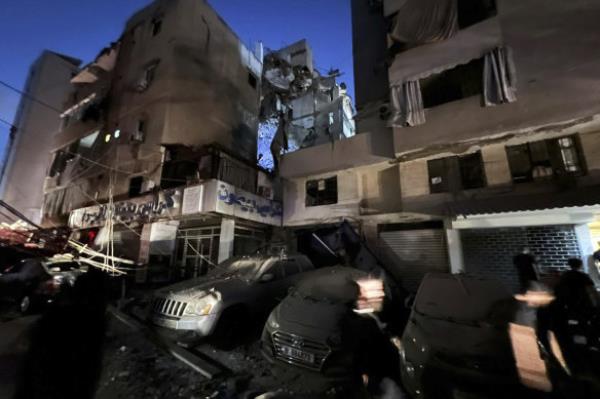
(138, 137)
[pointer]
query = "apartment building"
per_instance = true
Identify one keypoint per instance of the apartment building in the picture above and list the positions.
(36, 122)
(159, 134)
(477, 134)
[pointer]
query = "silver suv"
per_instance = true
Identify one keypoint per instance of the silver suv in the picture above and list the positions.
(235, 290)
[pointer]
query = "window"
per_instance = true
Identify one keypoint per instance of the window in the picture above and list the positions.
(454, 84)
(471, 12)
(472, 174)
(545, 159)
(456, 173)
(135, 186)
(139, 134)
(321, 192)
(147, 77)
(156, 25)
(252, 81)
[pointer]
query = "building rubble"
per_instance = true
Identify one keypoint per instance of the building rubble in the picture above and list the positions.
(308, 108)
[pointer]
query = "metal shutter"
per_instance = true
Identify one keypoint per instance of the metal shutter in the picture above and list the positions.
(415, 253)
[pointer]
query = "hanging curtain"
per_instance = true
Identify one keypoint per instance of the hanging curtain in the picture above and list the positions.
(407, 105)
(425, 21)
(499, 77)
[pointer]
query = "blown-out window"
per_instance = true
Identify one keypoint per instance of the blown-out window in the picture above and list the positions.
(545, 159)
(321, 191)
(456, 173)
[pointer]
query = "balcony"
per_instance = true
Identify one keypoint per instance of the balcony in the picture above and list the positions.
(359, 150)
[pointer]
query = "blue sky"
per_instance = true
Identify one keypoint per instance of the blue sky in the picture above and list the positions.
(80, 28)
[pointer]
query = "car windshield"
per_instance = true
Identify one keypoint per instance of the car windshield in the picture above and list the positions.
(240, 267)
(460, 299)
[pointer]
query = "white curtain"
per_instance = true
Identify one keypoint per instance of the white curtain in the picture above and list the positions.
(425, 21)
(407, 105)
(499, 77)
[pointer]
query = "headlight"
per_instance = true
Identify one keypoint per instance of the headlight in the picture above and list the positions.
(272, 323)
(202, 306)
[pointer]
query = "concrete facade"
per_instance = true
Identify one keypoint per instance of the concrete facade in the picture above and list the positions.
(558, 96)
(177, 76)
(36, 124)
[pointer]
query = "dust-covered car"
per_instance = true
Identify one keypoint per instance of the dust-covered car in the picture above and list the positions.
(457, 341)
(233, 292)
(32, 283)
(320, 330)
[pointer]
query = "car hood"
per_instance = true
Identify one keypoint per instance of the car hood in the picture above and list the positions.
(310, 318)
(197, 288)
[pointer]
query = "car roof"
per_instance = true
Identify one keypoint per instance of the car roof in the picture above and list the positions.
(336, 283)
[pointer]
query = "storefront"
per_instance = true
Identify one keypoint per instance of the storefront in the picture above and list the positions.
(186, 230)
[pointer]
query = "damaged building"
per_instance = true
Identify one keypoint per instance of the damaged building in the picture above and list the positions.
(306, 107)
(159, 135)
(478, 133)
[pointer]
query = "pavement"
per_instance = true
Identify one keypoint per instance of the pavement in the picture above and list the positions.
(14, 345)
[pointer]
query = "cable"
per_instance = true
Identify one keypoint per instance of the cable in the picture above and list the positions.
(8, 123)
(32, 98)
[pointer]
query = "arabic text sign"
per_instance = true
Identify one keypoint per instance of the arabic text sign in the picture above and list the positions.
(165, 204)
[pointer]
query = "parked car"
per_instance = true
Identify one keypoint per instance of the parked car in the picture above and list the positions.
(456, 343)
(319, 330)
(237, 290)
(34, 282)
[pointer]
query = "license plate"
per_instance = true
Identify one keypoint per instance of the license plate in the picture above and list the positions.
(297, 354)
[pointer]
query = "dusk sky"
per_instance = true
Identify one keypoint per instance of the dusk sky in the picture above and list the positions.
(81, 28)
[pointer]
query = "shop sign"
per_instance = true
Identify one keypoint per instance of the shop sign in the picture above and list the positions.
(164, 204)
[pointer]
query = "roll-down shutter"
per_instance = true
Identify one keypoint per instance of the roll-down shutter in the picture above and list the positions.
(416, 253)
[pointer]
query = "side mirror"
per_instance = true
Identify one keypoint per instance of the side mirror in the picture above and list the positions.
(265, 278)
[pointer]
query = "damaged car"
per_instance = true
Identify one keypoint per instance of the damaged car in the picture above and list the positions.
(32, 283)
(234, 292)
(325, 331)
(457, 343)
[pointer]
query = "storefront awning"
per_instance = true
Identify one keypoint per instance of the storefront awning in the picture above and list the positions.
(581, 197)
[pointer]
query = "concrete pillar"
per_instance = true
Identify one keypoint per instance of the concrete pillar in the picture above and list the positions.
(226, 239)
(586, 248)
(455, 252)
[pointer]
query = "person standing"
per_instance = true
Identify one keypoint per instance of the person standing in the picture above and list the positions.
(575, 289)
(525, 265)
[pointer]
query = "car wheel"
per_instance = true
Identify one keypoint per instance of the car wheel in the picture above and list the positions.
(25, 304)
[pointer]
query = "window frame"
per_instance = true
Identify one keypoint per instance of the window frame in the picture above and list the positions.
(312, 197)
(555, 160)
(453, 173)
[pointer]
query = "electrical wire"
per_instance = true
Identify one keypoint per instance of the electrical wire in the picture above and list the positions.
(31, 97)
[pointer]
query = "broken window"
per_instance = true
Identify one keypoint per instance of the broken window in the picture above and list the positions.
(453, 84)
(147, 76)
(156, 25)
(135, 186)
(321, 192)
(472, 173)
(456, 173)
(179, 165)
(139, 134)
(545, 159)
(471, 12)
